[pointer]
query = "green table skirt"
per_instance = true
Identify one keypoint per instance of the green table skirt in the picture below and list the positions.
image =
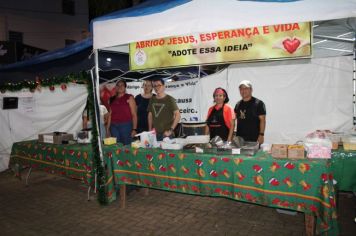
(74, 161)
(343, 166)
(300, 185)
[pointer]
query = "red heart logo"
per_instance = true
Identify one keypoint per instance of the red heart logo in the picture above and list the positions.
(291, 45)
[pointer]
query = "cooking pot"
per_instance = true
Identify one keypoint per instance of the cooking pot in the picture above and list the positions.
(193, 128)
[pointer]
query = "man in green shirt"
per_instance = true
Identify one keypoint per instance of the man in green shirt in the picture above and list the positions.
(163, 112)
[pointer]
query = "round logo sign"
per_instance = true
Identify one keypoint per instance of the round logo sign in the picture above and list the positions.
(140, 57)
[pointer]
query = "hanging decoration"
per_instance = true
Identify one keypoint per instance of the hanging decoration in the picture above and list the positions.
(64, 87)
(39, 82)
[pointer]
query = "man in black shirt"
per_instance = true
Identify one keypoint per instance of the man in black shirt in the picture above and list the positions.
(250, 115)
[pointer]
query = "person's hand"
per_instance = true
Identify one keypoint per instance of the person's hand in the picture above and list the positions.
(133, 133)
(260, 139)
(168, 133)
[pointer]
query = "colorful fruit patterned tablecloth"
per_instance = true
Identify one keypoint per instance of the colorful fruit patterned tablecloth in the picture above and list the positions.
(74, 161)
(300, 185)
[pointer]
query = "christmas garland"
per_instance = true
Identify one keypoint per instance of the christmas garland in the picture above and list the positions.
(80, 78)
(40, 82)
(97, 161)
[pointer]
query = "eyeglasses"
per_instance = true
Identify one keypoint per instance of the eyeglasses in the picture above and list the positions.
(157, 85)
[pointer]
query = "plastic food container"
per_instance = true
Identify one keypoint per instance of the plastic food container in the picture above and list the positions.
(174, 144)
(193, 128)
(249, 148)
(317, 151)
(110, 141)
(349, 142)
(266, 147)
(148, 139)
(136, 144)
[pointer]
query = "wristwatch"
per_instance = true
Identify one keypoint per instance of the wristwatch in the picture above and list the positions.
(262, 134)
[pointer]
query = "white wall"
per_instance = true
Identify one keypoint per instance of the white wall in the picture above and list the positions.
(300, 96)
(40, 112)
(42, 22)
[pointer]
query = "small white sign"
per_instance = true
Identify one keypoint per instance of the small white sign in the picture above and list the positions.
(235, 151)
(27, 104)
(199, 150)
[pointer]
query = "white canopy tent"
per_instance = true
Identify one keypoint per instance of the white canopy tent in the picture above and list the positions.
(272, 83)
(158, 19)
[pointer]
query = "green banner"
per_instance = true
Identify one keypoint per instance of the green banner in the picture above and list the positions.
(284, 41)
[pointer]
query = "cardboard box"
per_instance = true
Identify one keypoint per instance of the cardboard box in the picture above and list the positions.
(55, 138)
(336, 140)
(335, 145)
(349, 143)
(296, 152)
(279, 150)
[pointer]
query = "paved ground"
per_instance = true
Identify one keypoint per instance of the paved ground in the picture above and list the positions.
(54, 205)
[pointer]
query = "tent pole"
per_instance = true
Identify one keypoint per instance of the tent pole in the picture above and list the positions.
(96, 91)
(354, 81)
(97, 144)
(338, 38)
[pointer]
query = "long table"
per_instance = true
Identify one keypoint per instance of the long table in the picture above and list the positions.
(72, 160)
(76, 161)
(299, 185)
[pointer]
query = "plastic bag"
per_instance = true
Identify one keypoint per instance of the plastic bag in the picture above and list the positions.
(318, 144)
(148, 139)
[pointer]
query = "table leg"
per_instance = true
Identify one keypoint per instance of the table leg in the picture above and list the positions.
(16, 169)
(28, 175)
(89, 188)
(123, 196)
(309, 224)
(95, 182)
